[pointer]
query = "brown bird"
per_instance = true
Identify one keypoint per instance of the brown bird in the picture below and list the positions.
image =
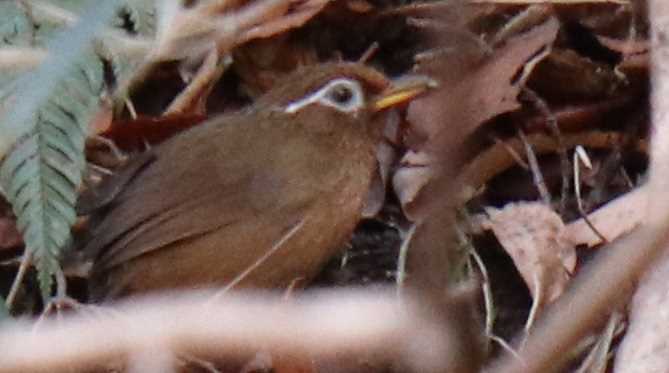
(259, 198)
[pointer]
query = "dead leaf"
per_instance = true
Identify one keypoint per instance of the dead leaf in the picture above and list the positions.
(102, 119)
(193, 99)
(359, 6)
(133, 135)
(580, 77)
(473, 89)
(386, 156)
(582, 116)
(625, 47)
(292, 18)
(497, 158)
(533, 235)
(10, 237)
(187, 32)
(410, 178)
(635, 58)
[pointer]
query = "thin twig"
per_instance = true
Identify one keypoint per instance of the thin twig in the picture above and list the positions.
(61, 284)
(207, 75)
(487, 294)
(531, 16)
(369, 53)
(537, 302)
(551, 122)
(536, 170)
(512, 152)
(581, 157)
(505, 345)
(272, 250)
(402, 258)
(496, 159)
(26, 260)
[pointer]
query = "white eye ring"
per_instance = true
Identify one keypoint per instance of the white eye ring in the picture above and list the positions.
(344, 95)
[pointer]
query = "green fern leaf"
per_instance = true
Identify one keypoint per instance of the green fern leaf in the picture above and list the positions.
(15, 28)
(4, 311)
(142, 16)
(138, 18)
(42, 172)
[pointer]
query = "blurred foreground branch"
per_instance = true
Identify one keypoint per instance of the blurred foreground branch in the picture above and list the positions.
(320, 324)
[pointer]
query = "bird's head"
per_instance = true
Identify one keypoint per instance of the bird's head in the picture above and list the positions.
(339, 94)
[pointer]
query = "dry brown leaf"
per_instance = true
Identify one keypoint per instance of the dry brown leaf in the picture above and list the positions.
(584, 115)
(386, 156)
(292, 18)
(188, 32)
(102, 120)
(533, 235)
(455, 13)
(473, 90)
(135, 134)
(580, 77)
(412, 175)
(635, 57)
(193, 98)
(626, 47)
(359, 6)
(497, 158)
(9, 234)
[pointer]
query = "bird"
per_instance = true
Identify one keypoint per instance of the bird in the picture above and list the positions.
(259, 198)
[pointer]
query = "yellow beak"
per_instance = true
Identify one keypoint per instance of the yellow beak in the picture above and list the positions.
(402, 90)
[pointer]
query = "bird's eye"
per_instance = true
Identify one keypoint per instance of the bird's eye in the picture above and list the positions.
(345, 95)
(340, 94)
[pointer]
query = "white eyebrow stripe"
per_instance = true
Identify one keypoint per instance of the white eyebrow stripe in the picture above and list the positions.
(299, 104)
(320, 94)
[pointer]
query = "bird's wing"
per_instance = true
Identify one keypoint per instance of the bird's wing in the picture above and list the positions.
(192, 186)
(98, 197)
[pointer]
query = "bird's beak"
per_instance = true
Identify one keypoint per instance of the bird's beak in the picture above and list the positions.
(402, 90)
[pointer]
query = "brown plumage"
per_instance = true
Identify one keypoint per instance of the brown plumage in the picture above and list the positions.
(286, 179)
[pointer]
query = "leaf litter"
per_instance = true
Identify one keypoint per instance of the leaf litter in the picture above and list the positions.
(461, 141)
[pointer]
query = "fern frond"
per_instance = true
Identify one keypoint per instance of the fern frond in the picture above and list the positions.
(142, 16)
(41, 174)
(4, 311)
(15, 31)
(15, 28)
(46, 130)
